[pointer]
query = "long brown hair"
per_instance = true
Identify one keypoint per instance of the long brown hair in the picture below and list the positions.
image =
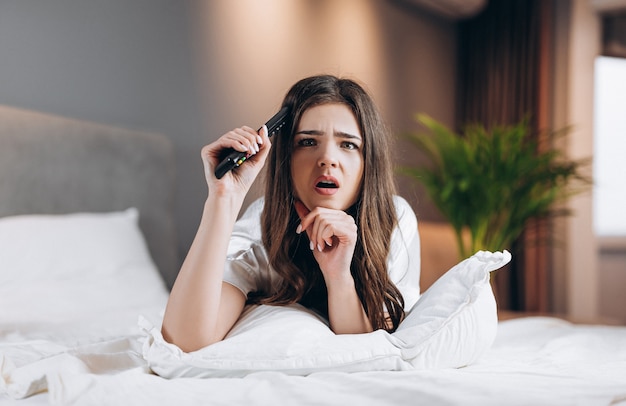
(374, 212)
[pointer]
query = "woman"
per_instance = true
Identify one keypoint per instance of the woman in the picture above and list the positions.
(320, 237)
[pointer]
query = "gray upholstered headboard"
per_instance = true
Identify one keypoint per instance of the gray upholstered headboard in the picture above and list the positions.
(55, 165)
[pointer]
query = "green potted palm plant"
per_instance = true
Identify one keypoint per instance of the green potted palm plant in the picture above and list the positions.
(489, 183)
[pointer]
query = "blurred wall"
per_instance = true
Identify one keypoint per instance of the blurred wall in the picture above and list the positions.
(194, 69)
(124, 63)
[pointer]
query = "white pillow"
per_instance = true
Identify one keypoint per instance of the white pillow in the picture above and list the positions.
(456, 319)
(451, 325)
(90, 268)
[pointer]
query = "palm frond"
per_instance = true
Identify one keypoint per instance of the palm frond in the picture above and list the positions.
(491, 182)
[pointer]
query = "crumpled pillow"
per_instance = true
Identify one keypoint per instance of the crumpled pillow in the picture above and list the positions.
(451, 326)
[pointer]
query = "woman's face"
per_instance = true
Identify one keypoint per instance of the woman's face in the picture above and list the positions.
(327, 159)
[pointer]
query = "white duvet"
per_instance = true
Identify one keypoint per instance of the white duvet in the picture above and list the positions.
(450, 350)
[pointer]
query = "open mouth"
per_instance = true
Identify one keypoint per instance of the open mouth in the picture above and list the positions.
(326, 184)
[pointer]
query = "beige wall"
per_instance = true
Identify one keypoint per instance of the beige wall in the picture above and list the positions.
(582, 249)
(251, 52)
(576, 284)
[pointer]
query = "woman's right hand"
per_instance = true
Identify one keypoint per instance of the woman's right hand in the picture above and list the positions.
(202, 307)
(239, 180)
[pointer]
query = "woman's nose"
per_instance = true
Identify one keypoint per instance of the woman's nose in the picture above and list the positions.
(328, 157)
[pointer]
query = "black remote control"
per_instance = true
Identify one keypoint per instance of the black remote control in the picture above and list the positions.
(236, 158)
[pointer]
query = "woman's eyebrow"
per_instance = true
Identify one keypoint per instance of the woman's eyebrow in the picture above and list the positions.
(342, 134)
(339, 134)
(310, 132)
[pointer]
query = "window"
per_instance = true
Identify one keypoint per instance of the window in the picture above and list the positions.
(609, 161)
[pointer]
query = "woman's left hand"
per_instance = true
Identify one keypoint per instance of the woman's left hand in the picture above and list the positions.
(332, 235)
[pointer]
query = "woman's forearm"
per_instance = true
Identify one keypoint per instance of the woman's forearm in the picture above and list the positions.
(345, 311)
(192, 317)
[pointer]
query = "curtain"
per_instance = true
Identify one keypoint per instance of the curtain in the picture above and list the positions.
(504, 76)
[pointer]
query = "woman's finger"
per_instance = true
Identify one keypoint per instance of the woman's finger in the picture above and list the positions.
(325, 226)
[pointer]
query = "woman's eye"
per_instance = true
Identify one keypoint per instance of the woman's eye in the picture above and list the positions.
(306, 142)
(349, 145)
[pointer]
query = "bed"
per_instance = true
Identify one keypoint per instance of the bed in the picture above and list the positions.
(88, 252)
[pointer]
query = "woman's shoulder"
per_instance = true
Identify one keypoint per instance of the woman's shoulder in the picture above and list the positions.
(401, 203)
(404, 212)
(255, 208)
(249, 224)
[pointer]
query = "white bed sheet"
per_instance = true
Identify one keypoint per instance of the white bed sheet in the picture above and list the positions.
(534, 361)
